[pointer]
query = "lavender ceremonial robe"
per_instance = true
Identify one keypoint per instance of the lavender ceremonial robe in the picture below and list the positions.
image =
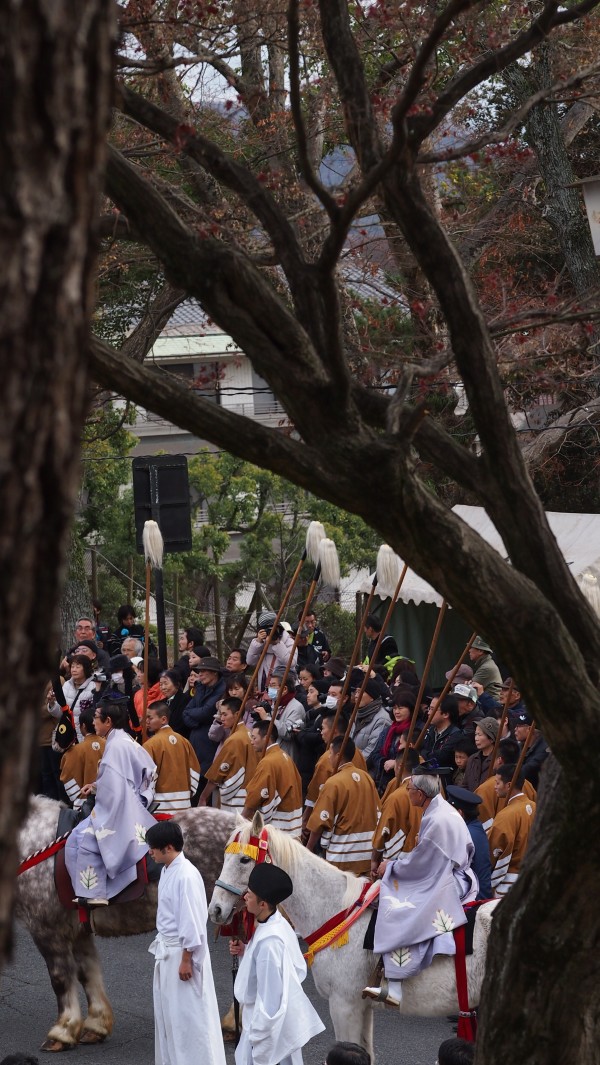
(422, 894)
(102, 852)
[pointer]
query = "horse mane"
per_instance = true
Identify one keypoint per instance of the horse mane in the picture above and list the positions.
(293, 857)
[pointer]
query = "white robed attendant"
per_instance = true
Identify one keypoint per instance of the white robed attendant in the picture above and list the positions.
(187, 1027)
(277, 1017)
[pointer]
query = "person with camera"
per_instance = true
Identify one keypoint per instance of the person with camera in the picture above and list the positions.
(80, 688)
(279, 650)
(290, 712)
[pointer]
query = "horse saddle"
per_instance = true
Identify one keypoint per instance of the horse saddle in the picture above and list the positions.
(147, 870)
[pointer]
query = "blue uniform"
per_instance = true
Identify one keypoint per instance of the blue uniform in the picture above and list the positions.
(481, 864)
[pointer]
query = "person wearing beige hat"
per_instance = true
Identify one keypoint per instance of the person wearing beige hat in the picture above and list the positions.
(479, 763)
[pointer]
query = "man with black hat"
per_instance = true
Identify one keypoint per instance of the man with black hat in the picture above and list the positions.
(467, 803)
(423, 892)
(538, 749)
(278, 1018)
(486, 671)
(200, 712)
(279, 650)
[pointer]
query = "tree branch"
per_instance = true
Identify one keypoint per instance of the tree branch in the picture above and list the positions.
(349, 73)
(234, 176)
(515, 120)
(307, 171)
(235, 295)
(551, 16)
(433, 443)
(157, 314)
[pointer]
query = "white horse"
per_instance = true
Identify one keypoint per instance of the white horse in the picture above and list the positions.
(341, 973)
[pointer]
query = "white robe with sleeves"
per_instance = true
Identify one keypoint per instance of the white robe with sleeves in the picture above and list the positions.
(187, 1027)
(277, 1017)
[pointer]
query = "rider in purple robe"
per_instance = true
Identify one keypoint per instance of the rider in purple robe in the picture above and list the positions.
(102, 852)
(423, 891)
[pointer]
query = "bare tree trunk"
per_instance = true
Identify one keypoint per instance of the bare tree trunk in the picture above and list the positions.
(55, 86)
(550, 920)
(75, 600)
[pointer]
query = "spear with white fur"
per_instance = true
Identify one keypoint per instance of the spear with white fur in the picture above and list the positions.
(153, 553)
(314, 534)
(387, 572)
(373, 658)
(328, 569)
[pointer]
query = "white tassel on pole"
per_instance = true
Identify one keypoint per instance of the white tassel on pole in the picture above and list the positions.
(314, 534)
(153, 544)
(388, 571)
(330, 563)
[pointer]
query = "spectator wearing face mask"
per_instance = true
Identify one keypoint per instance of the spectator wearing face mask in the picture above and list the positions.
(309, 741)
(290, 716)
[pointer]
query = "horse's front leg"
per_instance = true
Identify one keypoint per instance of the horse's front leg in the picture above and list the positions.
(367, 1030)
(57, 952)
(348, 1018)
(99, 1022)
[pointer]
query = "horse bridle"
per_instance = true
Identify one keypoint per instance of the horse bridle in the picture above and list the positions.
(257, 848)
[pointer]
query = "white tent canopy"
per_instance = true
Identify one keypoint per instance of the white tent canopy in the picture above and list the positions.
(578, 536)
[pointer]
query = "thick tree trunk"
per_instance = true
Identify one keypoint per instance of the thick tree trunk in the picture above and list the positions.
(544, 961)
(563, 208)
(55, 86)
(75, 600)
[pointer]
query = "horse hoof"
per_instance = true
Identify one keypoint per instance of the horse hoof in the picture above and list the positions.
(54, 1046)
(89, 1037)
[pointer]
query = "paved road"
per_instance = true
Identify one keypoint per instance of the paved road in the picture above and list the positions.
(27, 1009)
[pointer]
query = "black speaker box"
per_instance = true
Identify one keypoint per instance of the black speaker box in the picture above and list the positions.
(161, 493)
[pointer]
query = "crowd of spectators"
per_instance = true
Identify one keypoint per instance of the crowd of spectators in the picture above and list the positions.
(459, 733)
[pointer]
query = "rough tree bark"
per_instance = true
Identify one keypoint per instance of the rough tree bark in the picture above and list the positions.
(55, 86)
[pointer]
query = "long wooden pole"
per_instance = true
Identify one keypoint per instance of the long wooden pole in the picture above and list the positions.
(353, 659)
(519, 764)
(372, 659)
(427, 667)
(146, 642)
(269, 639)
(288, 665)
(500, 730)
(444, 692)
